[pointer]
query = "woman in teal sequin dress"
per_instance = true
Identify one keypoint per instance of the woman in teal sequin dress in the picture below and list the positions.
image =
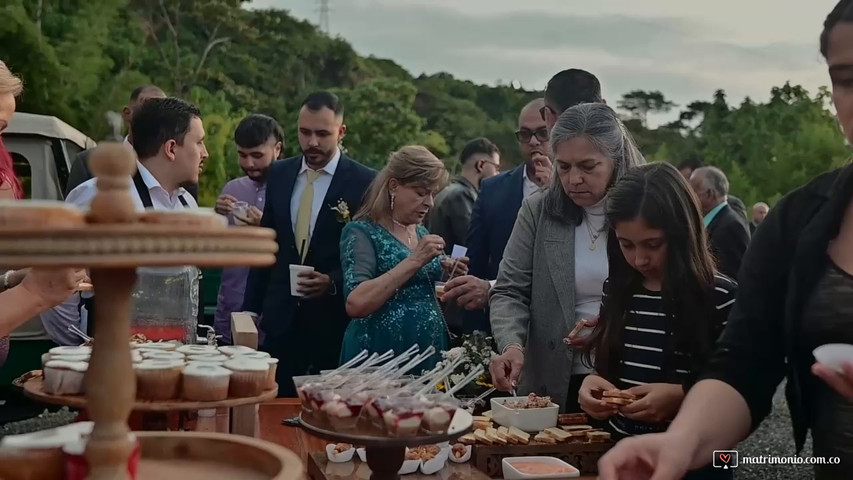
(391, 262)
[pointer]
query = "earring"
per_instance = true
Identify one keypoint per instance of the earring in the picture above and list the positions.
(392, 203)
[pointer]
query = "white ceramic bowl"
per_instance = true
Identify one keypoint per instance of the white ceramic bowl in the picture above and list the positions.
(511, 473)
(833, 355)
(409, 466)
(342, 457)
(464, 458)
(437, 463)
(362, 454)
(528, 420)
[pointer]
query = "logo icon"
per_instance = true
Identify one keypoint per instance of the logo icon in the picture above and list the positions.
(725, 459)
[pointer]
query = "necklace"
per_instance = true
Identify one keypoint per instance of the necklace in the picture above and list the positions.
(410, 238)
(593, 235)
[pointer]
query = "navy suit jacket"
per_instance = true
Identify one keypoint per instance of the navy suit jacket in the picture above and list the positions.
(268, 288)
(488, 233)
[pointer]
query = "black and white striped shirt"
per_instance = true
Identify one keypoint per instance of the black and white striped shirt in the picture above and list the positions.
(644, 340)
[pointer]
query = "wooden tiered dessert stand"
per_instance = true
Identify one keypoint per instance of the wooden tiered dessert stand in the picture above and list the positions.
(111, 245)
(385, 455)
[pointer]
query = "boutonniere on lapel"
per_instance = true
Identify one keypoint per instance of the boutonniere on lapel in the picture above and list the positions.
(341, 210)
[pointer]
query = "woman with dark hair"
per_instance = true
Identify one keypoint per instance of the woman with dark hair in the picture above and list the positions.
(555, 262)
(664, 305)
(795, 294)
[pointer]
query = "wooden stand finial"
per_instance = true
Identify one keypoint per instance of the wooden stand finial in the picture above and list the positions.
(110, 381)
(112, 164)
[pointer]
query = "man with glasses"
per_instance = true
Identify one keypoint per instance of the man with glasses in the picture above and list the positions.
(449, 218)
(500, 198)
(494, 215)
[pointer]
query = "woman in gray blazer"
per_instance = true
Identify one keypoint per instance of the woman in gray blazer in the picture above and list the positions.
(555, 262)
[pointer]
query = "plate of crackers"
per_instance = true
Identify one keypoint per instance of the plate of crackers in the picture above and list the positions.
(571, 428)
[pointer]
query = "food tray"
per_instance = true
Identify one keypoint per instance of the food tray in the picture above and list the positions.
(34, 388)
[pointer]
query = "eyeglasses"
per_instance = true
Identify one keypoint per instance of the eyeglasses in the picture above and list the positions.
(524, 135)
(497, 165)
(545, 108)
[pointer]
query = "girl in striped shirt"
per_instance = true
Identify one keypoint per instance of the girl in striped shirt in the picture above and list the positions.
(664, 305)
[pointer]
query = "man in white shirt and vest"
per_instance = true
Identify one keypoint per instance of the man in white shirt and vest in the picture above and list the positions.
(305, 332)
(168, 137)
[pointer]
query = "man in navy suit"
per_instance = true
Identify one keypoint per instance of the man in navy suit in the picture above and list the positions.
(305, 331)
(500, 197)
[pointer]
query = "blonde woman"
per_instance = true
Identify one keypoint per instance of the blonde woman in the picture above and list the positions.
(391, 262)
(24, 293)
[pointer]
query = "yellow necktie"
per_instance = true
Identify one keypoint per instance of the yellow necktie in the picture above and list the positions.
(303, 215)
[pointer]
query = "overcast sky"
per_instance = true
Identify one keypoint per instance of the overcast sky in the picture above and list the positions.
(686, 49)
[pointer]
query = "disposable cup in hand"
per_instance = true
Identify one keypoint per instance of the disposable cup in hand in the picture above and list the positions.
(241, 213)
(834, 355)
(295, 270)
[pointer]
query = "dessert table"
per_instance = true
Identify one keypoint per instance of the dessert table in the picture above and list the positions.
(312, 449)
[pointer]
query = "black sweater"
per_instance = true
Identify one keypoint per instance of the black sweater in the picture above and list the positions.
(784, 262)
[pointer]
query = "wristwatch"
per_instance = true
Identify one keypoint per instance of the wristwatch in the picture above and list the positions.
(515, 346)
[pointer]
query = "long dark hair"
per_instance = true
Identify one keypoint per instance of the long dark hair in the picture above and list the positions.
(659, 195)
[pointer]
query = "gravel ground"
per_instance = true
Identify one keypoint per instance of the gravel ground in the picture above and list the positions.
(775, 436)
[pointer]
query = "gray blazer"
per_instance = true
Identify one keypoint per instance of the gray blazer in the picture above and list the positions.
(533, 300)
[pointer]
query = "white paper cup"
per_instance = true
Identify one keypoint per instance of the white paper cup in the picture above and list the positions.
(295, 270)
(834, 355)
(240, 213)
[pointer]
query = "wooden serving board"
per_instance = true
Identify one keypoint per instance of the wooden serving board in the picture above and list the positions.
(34, 388)
(581, 455)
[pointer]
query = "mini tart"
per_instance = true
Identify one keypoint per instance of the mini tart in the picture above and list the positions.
(39, 214)
(205, 382)
(79, 350)
(158, 379)
(198, 350)
(190, 217)
(161, 346)
(162, 355)
(248, 377)
(232, 350)
(65, 378)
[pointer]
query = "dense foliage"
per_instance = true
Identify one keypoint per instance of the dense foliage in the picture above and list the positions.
(81, 58)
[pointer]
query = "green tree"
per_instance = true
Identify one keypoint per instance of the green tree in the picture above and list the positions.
(380, 118)
(639, 103)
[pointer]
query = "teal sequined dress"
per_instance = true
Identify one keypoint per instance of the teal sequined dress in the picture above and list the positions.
(411, 316)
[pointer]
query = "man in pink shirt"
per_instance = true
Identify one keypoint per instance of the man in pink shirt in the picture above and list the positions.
(260, 141)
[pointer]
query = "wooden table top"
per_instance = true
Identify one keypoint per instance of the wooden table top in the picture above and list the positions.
(296, 438)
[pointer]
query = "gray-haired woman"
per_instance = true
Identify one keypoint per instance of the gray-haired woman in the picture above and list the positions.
(555, 263)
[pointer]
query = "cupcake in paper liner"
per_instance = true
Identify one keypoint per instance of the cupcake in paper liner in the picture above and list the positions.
(65, 378)
(248, 377)
(232, 350)
(205, 382)
(339, 452)
(197, 349)
(158, 379)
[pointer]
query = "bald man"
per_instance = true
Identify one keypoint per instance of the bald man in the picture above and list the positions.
(80, 168)
(494, 214)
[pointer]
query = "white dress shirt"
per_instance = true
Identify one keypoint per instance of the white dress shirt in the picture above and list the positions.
(590, 269)
(57, 319)
(530, 187)
(321, 187)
